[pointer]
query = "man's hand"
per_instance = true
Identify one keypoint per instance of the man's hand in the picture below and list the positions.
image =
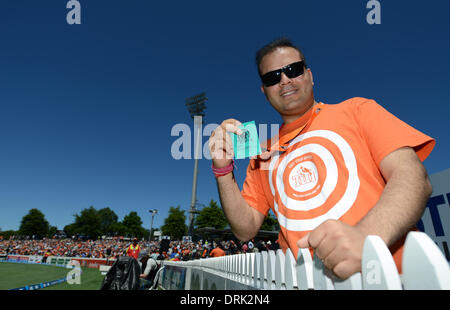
(244, 220)
(220, 143)
(338, 245)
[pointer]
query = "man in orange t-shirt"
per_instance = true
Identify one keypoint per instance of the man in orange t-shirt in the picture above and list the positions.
(217, 251)
(333, 175)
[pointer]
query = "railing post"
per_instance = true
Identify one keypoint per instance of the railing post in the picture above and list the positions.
(289, 271)
(279, 270)
(424, 265)
(379, 271)
(241, 267)
(238, 267)
(304, 270)
(250, 263)
(323, 277)
(263, 270)
(257, 270)
(270, 270)
(354, 282)
(188, 277)
(234, 272)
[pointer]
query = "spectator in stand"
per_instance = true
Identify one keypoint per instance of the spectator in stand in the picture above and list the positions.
(205, 252)
(172, 253)
(251, 245)
(114, 247)
(276, 245)
(233, 247)
(108, 252)
(217, 251)
(261, 246)
(155, 255)
(244, 248)
(160, 256)
(134, 249)
(46, 255)
(149, 267)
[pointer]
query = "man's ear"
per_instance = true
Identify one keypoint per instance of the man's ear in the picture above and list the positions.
(310, 73)
(262, 89)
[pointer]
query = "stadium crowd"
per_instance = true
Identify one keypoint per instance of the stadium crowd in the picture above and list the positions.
(113, 248)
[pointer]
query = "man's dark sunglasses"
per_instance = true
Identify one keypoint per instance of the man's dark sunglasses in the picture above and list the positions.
(292, 70)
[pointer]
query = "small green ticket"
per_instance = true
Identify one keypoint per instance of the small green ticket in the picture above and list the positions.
(246, 144)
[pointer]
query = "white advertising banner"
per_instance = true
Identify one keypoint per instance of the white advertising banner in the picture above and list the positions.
(35, 259)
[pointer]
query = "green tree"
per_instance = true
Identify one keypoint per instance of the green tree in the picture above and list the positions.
(34, 223)
(71, 230)
(107, 219)
(52, 230)
(133, 225)
(175, 224)
(270, 223)
(211, 216)
(88, 223)
(118, 229)
(6, 234)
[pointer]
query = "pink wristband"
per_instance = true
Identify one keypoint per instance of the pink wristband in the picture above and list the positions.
(218, 172)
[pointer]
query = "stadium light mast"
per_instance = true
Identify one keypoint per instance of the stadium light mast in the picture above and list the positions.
(153, 212)
(196, 106)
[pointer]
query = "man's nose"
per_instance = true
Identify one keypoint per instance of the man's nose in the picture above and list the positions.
(284, 79)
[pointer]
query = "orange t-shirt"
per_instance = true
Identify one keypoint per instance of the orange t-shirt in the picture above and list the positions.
(330, 170)
(217, 252)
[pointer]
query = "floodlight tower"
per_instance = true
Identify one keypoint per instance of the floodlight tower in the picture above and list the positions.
(153, 212)
(196, 105)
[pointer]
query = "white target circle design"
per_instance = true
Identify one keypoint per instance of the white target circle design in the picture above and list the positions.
(345, 202)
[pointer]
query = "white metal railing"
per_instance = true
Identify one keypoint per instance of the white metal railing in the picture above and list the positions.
(424, 267)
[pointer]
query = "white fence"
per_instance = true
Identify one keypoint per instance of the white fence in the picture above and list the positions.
(424, 267)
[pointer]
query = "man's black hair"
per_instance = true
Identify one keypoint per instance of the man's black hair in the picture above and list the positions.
(272, 46)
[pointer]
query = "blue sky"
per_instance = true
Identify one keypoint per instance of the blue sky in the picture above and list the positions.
(86, 111)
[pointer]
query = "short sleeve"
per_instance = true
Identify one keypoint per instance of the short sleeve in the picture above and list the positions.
(253, 192)
(385, 133)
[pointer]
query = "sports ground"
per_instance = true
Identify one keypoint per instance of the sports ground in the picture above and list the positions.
(14, 275)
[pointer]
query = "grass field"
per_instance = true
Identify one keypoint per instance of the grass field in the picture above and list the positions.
(14, 275)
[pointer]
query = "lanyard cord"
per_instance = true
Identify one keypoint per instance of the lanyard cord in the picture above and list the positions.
(282, 143)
